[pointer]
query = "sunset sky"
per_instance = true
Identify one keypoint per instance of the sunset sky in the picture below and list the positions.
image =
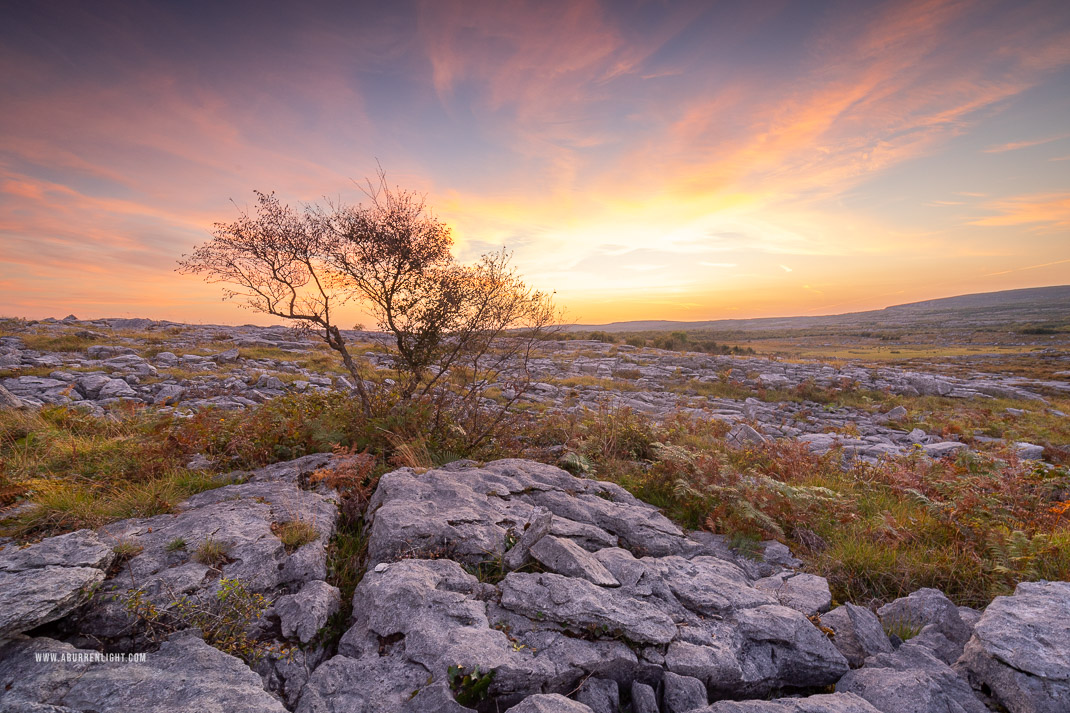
(646, 160)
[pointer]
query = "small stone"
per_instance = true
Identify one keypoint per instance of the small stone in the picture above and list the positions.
(683, 693)
(8, 400)
(743, 435)
(644, 699)
(538, 526)
(859, 633)
(303, 614)
(601, 695)
(896, 413)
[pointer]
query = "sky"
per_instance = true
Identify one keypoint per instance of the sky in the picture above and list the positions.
(643, 160)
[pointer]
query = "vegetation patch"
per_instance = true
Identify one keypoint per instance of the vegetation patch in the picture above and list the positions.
(294, 534)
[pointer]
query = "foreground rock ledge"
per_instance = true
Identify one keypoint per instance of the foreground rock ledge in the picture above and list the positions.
(664, 603)
(558, 593)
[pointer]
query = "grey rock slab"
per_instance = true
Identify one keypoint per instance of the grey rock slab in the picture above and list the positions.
(823, 703)
(581, 604)
(169, 394)
(243, 519)
(47, 580)
(115, 388)
(715, 663)
(186, 675)
(474, 509)
(82, 548)
(682, 693)
(707, 585)
(549, 703)
(33, 597)
(970, 616)
(31, 385)
(932, 638)
(944, 449)
(1020, 649)
(269, 382)
(569, 559)
(226, 357)
(301, 615)
(440, 617)
(1029, 451)
(806, 593)
(778, 554)
(911, 680)
(371, 684)
(897, 413)
(859, 633)
(104, 351)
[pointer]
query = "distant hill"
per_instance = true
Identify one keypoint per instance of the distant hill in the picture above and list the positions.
(1032, 305)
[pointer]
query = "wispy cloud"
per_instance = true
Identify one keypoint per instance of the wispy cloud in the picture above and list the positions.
(1028, 267)
(1015, 145)
(1049, 211)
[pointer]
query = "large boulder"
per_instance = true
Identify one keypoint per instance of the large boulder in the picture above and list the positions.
(1019, 654)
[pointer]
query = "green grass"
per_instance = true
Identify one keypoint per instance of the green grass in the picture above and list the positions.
(295, 534)
(593, 382)
(66, 341)
(972, 527)
(211, 552)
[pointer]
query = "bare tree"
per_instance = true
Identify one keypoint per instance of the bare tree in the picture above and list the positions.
(396, 256)
(275, 262)
(457, 329)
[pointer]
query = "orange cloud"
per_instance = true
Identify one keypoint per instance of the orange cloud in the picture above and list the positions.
(1048, 211)
(1015, 145)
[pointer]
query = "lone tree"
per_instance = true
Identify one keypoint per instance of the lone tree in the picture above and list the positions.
(457, 329)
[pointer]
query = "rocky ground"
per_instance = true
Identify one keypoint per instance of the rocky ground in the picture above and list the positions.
(187, 367)
(511, 585)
